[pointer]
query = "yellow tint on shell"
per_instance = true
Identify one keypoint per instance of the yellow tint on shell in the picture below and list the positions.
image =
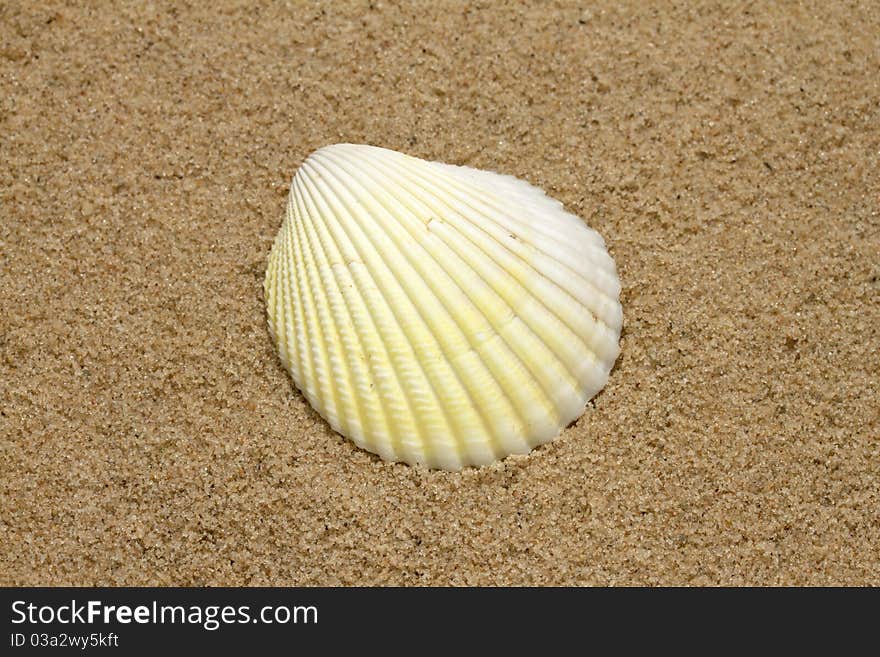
(438, 314)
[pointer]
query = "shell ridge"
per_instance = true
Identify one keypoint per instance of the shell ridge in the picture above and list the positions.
(316, 318)
(271, 287)
(562, 244)
(274, 291)
(535, 202)
(404, 389)
(587, 263)
(393, 445)
(346, 399)
(526, 318)
(303, 343)
(460, 376)
(469, 180)
(585, 368)
(520, 352)
(603, 312)
(438, 314)
(525, 195)
(549, 403)
(371, 435)
(294, 350)
(423, 183)
(326, 174)
(517, 405)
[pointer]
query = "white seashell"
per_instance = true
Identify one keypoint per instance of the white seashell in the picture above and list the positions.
(438, 314)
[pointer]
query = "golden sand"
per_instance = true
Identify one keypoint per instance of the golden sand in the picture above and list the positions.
(728, 153)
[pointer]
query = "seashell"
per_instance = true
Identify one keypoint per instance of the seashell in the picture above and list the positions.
(438, 314)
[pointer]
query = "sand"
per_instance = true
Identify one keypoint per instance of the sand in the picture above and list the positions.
(729, 154)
